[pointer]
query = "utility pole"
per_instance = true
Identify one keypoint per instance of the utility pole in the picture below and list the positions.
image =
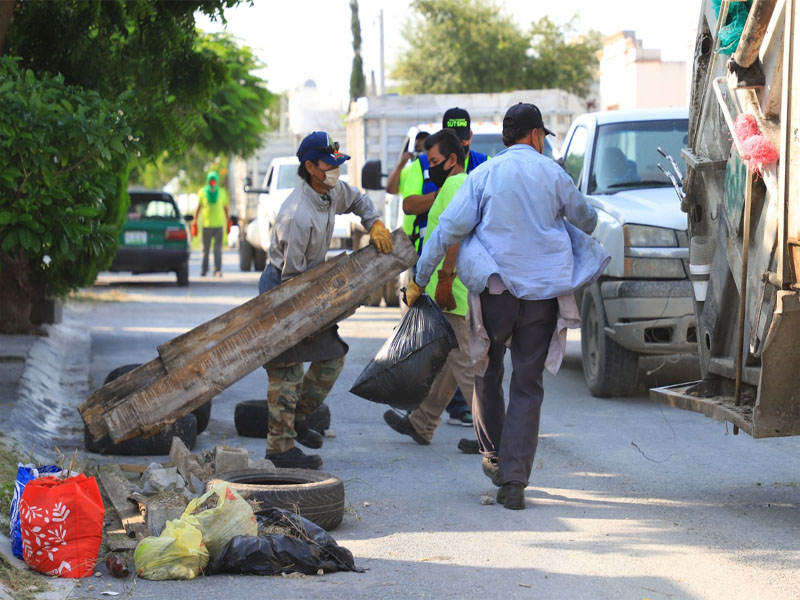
(383, 78)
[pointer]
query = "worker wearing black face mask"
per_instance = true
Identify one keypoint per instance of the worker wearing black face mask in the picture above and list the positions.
(417, 194)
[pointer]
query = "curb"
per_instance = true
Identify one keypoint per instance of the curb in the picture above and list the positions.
(54, 381)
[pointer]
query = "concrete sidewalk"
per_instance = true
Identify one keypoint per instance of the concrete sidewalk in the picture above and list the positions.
(42, 381)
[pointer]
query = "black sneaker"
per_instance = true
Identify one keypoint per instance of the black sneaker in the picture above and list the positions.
(403, 425)
(491, 469)
(468, 446)
(294, 458)
(307, 436)
(512, 495)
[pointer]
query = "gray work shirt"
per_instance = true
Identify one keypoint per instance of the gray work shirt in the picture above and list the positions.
(301, 235)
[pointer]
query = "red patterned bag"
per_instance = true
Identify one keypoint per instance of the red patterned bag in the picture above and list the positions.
(62, 525)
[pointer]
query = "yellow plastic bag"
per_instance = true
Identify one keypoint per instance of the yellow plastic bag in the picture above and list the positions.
(178, 553)
(231, 516)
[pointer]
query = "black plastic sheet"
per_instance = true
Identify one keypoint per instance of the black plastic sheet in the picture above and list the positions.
(304, 548)
(402, 372)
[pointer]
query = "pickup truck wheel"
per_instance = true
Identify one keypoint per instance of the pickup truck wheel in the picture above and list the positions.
(182, 274)
(245, 255)
(259, 259)
(609, 369)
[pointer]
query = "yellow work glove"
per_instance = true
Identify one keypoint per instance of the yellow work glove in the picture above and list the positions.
(444, 291)
(412, 293)
(380, 237)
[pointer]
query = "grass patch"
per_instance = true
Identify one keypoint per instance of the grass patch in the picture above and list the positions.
(8, 475)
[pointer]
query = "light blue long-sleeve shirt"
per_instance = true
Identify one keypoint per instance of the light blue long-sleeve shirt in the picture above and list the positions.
(509, 218)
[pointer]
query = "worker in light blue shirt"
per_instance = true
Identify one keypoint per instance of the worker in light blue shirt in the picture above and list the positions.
(518, 257)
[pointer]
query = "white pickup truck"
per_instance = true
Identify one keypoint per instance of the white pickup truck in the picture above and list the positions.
(643, 303)
(281, 178)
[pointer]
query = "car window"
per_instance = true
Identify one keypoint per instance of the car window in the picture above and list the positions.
(288, 177)
(627, 157)
(492, 143)
(151, 208)
(576, 151)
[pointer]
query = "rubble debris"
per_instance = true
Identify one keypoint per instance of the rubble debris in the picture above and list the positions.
(158, 478)
(227, 459)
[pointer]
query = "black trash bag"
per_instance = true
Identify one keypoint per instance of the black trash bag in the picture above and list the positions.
(304, 548)
(402, 372)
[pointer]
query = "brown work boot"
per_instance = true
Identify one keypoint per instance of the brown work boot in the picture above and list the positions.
(491, 469)
(512, 495)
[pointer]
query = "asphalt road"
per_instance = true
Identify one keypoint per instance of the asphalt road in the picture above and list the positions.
(628, 499)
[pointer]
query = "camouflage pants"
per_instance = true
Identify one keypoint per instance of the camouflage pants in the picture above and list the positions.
(292, 395)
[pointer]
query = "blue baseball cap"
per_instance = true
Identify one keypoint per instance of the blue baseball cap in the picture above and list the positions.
(318, 145)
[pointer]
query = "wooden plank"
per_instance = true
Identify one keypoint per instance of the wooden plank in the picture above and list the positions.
(338, 291)
(184, 348)
(104, 398)
(117, 489)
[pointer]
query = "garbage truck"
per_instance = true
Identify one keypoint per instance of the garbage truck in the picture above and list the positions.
(741, 193)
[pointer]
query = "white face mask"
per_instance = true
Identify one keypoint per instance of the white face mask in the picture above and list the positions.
(331, 177)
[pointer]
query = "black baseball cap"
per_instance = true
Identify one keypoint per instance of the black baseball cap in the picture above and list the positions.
(457, 119)
(524, 116)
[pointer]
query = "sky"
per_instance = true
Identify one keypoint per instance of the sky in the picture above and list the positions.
(311, 39)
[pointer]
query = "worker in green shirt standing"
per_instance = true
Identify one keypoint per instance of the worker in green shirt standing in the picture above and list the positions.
(446, 157)
(212, 208)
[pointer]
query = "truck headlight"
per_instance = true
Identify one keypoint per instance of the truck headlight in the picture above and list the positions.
(649, 237)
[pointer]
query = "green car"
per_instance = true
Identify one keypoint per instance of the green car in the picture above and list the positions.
(155, 238)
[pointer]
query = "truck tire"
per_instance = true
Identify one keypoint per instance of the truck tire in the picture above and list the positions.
(315, 495)
(245, 255)
(259, 259)
(608, 368)
(202, 412)
(251, 416)
(391, 293)
(182, 275)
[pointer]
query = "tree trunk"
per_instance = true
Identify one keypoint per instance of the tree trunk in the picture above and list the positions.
(16, 295)
(6, 12)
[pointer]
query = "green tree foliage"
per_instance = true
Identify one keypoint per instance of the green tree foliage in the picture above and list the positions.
(461, 46)
(558, 62)
(235, 121)
(464, 46)
(358, 83)
(112, 46)
(64, 153)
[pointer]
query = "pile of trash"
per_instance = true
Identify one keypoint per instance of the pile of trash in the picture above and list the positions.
(186, 525)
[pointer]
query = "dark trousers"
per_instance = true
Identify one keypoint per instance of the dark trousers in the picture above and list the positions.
(210, 233)
(512, 435)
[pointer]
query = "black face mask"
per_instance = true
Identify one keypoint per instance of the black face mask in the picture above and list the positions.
(438, 175)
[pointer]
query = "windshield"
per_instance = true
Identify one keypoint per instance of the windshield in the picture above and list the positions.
(288, 177)
(492, 143)
(151, 207)
(626, 154)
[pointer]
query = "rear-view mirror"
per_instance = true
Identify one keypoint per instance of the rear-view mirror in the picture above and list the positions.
(371, 175)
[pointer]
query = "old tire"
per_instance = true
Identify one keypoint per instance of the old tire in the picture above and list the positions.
(182, 275)
(608, 368)
(245, 254)
(259, 259)
(202, 413)
(251, 419)
(315, 495)
(159, 444)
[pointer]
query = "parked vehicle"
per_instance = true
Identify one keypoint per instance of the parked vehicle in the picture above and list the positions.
(643, 302)
(154, 238)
